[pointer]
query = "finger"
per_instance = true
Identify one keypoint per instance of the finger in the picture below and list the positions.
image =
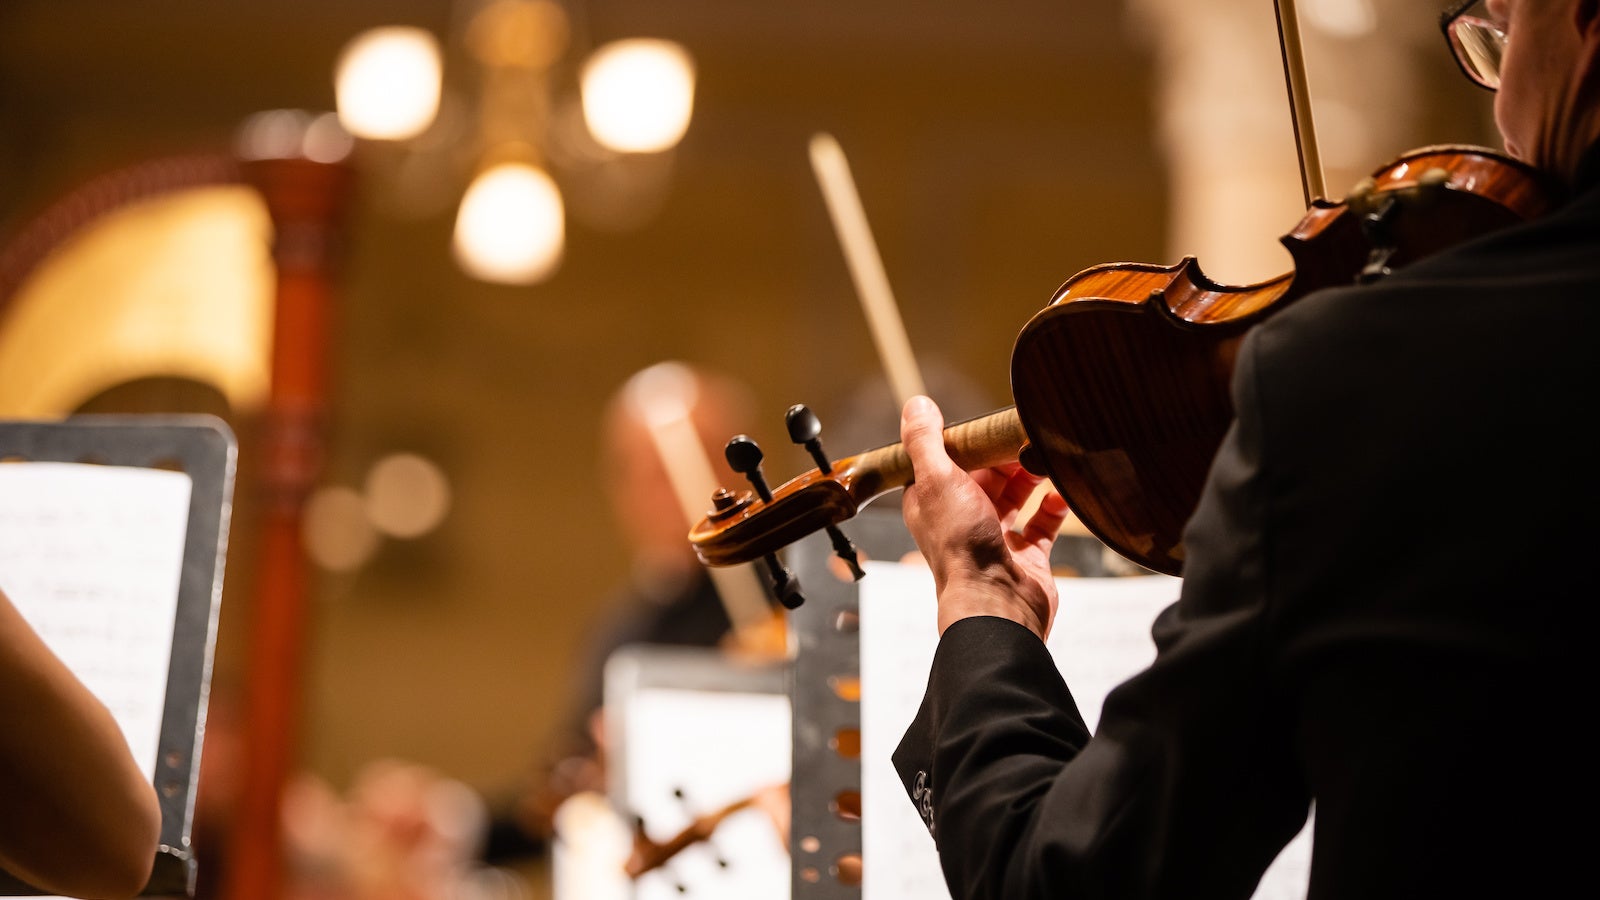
(992, 482)
(1045, 523)
(1010, 489)
(999, 482)
(1014, 495)
(922, 435)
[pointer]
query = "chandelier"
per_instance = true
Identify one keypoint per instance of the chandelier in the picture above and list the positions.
(537, 113)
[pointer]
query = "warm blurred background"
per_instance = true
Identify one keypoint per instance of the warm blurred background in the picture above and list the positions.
(998, 148)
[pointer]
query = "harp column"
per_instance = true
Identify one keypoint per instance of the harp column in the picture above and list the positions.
(306, 200)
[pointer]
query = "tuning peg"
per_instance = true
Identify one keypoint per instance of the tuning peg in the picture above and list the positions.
(804, 427)
(744, 456)
(846, 551)
(784, 585)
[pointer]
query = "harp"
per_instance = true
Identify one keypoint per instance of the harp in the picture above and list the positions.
(202, 283)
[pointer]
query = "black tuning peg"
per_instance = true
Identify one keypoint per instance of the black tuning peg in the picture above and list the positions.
(846, 551)
(804, 427)
(744, 456)
(784, 585)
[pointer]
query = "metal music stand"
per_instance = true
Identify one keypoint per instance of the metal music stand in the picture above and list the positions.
(204, 448)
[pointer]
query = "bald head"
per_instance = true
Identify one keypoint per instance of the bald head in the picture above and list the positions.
(688, 412)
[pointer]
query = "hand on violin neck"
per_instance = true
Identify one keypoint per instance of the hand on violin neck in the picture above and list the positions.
(984, 561)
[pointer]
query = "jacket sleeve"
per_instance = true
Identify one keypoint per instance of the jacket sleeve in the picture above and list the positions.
(1189, 787)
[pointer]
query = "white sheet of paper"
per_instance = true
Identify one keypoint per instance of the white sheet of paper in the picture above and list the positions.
(1101, 637)
(92, 556)
(716, 747)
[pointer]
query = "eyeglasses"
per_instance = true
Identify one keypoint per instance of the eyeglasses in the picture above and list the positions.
(1476, 42)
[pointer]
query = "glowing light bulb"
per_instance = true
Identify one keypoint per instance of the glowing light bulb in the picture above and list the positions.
(387, 83)
(510, 227)
(638, 94)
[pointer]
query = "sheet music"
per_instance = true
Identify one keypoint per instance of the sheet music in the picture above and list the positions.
(1101, 636)
(92, 556)
(716, 748)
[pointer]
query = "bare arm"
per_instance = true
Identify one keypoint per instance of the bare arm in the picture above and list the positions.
(78, 817)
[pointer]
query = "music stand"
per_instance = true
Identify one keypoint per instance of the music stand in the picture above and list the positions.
(690, 729)
(205, 449)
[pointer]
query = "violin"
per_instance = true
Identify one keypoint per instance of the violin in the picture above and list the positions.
(648, 855)
(1121, 382)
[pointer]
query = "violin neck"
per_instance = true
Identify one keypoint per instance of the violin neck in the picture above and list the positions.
(978, 443)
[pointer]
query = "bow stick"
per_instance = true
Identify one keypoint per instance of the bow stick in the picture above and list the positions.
(866, 267)
(877, 301)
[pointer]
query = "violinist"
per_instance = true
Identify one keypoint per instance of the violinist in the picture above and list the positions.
(1383, 604)
(664, 597)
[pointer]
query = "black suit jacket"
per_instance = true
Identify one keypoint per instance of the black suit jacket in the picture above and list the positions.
(1386, 604)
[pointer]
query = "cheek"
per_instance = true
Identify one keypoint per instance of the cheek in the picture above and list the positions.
(1507, 128)
(1514, 106)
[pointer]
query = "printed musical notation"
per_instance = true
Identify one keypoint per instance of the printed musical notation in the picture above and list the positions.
(92, 557)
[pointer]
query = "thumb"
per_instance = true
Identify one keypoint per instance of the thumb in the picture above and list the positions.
(922, 434)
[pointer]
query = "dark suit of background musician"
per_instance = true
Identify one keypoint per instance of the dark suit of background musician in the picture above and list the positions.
(1384, 601)
(667, 597)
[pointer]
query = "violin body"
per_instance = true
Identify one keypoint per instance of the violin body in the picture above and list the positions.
(1121, 383)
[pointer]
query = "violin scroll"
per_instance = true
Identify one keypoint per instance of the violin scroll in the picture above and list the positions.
(744, 456)
(741, 528)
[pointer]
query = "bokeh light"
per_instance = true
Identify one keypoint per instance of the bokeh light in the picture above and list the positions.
(638, 94)
(387, 82)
